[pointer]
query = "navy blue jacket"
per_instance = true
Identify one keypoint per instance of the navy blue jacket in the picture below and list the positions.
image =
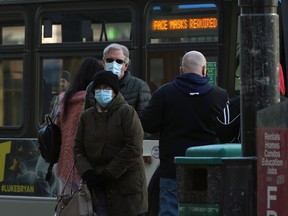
(184, 114)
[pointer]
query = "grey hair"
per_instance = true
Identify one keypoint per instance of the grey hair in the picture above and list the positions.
(116, 46)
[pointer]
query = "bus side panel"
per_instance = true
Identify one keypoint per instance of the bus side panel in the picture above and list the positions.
(23, 205)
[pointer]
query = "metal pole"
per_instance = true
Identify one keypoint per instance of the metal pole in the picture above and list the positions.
(259, 58)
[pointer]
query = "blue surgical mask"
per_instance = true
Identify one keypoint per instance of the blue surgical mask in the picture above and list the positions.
(103, 96)
(114, 67)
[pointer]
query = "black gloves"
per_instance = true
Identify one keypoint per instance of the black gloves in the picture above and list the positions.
(90, 177)
(93, 180)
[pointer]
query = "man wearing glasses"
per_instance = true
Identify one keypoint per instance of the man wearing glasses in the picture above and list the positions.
(135, 91)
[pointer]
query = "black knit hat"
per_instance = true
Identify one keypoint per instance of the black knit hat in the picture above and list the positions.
(108, 78)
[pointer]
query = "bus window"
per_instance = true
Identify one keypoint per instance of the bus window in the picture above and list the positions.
(158, 65)
(51, 70)
(183, 23)
(156, 68)
(12, 29)
(11, 92)
(172, 30)
(13, 35)
(86, 26)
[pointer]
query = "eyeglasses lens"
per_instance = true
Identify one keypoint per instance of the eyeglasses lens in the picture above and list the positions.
(119, 61)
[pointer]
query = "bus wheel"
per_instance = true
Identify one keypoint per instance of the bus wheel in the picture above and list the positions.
(153, 194)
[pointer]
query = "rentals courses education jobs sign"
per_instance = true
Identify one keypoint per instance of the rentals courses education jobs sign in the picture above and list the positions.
(272, 174)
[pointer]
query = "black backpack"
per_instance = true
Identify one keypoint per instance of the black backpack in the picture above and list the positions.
(49, 139)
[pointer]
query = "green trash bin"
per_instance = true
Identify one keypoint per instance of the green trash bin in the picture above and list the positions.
(200, 178)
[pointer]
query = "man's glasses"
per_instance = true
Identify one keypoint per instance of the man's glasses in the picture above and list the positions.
(119, 61)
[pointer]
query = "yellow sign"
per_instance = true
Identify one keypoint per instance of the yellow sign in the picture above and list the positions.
(183, 24)
(5, 149)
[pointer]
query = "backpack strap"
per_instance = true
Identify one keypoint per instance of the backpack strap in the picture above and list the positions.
(48, 120)
(49, 172)
(56, 116)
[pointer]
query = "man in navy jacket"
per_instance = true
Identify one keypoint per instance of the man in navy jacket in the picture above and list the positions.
(184, 113)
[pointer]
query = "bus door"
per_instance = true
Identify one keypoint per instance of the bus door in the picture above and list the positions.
(172, 29)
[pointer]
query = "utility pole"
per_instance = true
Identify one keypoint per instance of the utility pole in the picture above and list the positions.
(259, 59)
(261, 135)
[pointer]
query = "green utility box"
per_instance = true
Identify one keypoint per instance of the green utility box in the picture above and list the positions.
(200, 178)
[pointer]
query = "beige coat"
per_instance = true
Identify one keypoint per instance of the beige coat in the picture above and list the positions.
(112, 141)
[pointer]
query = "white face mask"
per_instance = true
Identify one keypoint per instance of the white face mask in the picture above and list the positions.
(114, 67)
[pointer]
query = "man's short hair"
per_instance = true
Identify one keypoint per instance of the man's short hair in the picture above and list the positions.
(116, 46)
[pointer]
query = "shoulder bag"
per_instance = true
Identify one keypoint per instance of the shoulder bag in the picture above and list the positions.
(77, 203)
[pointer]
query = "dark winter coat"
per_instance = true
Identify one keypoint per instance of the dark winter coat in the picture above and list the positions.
(184, 112)
(135, 91)
(112, 142)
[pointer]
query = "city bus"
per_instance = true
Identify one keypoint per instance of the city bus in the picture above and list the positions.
(40, 38)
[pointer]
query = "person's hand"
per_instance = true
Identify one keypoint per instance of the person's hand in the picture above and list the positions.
(104, 178)
(90, 177)
(93, 180)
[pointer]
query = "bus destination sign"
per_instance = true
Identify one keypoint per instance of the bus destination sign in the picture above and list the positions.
(192, 26)
(184, 24)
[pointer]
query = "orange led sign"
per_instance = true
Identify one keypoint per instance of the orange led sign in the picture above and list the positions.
(184, 24)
